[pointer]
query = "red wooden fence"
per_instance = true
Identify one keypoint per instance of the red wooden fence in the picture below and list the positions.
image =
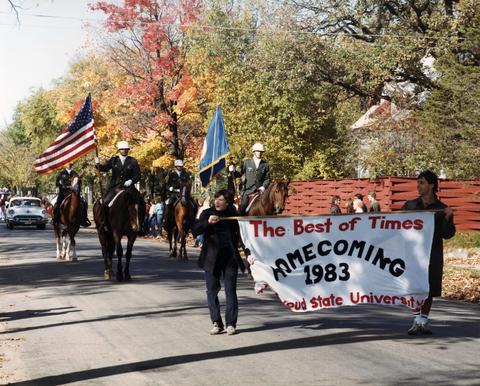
(314, 196)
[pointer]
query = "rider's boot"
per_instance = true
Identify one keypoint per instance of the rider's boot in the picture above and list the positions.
(85, 221)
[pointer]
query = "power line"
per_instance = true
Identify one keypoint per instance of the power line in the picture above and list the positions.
(225, 28)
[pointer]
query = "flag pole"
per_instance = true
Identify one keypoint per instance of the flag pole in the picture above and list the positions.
(97, 170)
(96, 155)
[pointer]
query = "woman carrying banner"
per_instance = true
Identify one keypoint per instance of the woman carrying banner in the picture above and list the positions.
(219, 255)
(427, 186)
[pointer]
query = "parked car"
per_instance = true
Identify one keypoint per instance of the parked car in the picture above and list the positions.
(26, 211)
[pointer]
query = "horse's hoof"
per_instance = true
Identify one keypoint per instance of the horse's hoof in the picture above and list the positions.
(119, 277)
(128, 277)
(74, 259)
(172, 254)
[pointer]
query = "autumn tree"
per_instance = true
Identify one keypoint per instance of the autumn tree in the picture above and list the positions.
(16, 160)
(146, 42)
(270, 86)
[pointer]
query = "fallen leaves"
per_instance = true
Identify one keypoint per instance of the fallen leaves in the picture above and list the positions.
(461, 278)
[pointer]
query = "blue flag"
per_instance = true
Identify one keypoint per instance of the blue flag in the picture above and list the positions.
(215, 149)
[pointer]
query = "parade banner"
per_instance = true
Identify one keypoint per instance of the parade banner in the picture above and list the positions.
(319, 262)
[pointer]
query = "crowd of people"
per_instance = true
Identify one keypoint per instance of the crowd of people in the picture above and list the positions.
(355, 204)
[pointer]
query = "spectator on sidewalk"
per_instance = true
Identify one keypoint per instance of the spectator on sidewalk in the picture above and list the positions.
(374, 204)
(358, 204)
(335, 205)
(205, 205)
(349, 206)
(156, 219)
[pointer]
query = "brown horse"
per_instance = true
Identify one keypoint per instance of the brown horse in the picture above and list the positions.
(126, 212)
(271, 201)
(70, 215)
(179, 220)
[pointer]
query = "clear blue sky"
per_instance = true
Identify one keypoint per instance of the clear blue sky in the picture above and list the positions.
(38, 49)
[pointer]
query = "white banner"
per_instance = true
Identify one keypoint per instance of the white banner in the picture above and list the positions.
(320, 262)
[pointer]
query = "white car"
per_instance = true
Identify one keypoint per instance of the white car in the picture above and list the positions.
(26, 211)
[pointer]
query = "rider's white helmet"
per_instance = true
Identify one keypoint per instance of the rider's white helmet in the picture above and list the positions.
(123, 145)
(258, 147)
(178, 162)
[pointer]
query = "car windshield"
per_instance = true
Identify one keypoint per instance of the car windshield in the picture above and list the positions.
(25, 203)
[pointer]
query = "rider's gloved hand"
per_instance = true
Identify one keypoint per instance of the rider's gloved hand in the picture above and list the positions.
(231, 168)
(261, 189)
(127, 183)
(97, 160)
(171, 189)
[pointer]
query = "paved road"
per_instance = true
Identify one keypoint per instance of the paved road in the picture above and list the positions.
(61, 323)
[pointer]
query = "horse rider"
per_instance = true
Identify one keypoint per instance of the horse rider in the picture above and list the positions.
(174, 183)
(63, 184)
(125, 172)
(256, 174)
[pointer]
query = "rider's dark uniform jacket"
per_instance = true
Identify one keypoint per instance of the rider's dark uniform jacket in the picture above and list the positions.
(173, 179)
(121, 173)
(63, 183)
(254, 177)
(64, 179)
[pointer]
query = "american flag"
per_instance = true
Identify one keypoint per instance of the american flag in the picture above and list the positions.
(76, 140)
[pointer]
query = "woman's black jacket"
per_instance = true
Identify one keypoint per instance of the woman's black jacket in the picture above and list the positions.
(211, 244)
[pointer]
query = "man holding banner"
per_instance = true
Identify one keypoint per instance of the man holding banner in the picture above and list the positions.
(427, 186)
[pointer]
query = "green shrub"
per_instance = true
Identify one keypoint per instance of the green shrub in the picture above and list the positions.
(464, 240)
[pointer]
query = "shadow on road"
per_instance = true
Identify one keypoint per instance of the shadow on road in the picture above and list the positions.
(364, 335)
(104, 318)
(26, 314)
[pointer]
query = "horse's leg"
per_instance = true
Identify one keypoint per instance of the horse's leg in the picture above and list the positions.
(175, 238)
(186, 230)
(63, 254)
(119, 251)
(128, 255)
(58, 241)
(183, 241)
(172, 239)
(68, 242)
(107, 259)
(73, 251)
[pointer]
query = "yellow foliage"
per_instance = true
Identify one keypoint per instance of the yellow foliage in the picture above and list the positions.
(165, 161)
(149, 152)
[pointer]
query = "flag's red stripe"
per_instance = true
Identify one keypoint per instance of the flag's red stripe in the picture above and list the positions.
(74, 150)
(68, 156)
(66, 134)
(52, 149)
(66, 161)
(61, 152)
